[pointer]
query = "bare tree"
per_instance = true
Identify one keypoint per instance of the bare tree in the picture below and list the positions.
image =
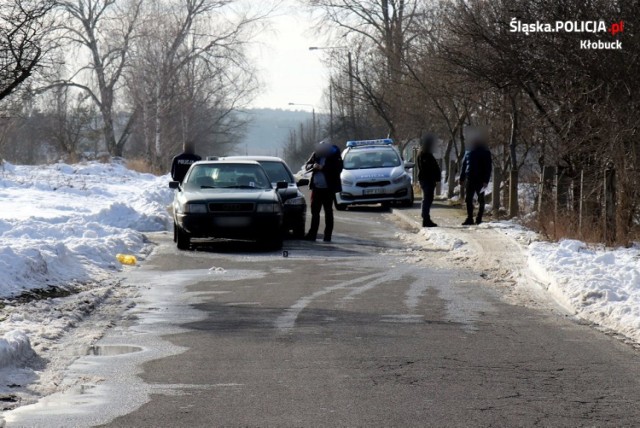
(381, 32)
(68, 120)
(23, 32)
(105, 30)
(191, 73)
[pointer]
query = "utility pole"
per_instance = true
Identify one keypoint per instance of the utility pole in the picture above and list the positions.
(352, 108)
(313, 118)
(331, 110)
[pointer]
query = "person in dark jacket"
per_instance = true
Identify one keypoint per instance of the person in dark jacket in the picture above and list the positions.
(326, 164)
(475, 175)
(428, 175)
(182, 162)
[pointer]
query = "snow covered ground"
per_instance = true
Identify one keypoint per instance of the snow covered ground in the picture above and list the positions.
(61, 227)
(600, 285)
(597, 284)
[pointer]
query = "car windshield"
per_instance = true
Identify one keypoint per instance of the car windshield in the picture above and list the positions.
(277, 171)
(371, 158)
(227, 176)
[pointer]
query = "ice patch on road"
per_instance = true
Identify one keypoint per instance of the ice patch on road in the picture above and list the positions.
(97, 389)
(403, 318)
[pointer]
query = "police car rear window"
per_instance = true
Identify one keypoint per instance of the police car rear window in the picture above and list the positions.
(371, 158)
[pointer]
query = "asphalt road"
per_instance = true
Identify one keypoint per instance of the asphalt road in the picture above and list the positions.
(359, 332)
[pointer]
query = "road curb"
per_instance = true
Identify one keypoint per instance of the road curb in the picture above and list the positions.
(406, 218)
(536, 278)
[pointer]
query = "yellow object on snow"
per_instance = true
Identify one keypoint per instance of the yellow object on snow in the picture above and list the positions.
(126, 259)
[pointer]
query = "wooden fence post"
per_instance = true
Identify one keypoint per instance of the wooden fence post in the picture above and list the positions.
(452, 178)
(546, 186)
(513, 193)
(439, 183)
(495, 191)
(581, 204)
(561, 191)
(610, 205)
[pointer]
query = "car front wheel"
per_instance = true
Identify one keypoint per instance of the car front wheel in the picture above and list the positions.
(341, 207)
(183, 239)
(409, 202)
(271, 242)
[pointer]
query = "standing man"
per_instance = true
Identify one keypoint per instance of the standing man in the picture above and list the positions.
(183, 161)
(476, 172)
(326, 164)
(428, 175)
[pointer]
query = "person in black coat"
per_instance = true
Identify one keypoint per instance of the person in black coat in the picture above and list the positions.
(475, 175)
(182, 162)
(326, 164)
(428, 175)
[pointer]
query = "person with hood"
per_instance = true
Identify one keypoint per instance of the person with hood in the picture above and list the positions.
(428, 175)
(475, 175)
(326, 164)
(182, 162)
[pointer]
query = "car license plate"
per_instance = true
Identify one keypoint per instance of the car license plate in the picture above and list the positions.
(378, 191)
(232, 221)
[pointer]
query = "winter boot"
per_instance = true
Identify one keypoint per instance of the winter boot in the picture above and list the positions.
(426, 222)
(468, 222)
(478, 220)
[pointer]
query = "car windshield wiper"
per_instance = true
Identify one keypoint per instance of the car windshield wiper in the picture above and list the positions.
(242, 187)
(209, 187)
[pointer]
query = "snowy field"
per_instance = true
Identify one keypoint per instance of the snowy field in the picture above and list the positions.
(61, 227)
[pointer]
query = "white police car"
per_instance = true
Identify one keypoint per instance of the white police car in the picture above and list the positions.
(373, 173)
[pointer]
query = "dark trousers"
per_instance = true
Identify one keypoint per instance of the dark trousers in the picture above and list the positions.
(428, 191)
(472, 189)
(321, 198)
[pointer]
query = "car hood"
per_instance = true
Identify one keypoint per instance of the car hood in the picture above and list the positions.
(373, 174)
(234, 195)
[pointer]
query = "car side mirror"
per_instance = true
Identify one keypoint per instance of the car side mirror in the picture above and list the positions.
(409, 165)
(282, 185)
(174, 185)
(303, 182)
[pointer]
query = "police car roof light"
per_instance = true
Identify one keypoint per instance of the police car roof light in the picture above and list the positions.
(379, 142)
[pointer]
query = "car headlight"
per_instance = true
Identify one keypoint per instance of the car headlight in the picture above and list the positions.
(400, 179)
(195, 208)
(347, 183)
(268, 208)
(295, 201)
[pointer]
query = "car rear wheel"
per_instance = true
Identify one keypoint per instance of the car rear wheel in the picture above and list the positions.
(183, 239)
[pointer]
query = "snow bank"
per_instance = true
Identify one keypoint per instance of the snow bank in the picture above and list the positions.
(14, 347)
(443, 241)
(602, 286)
(63, 224)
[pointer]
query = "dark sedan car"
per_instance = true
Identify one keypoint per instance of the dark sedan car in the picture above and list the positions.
(295, 205)
(227, 199)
